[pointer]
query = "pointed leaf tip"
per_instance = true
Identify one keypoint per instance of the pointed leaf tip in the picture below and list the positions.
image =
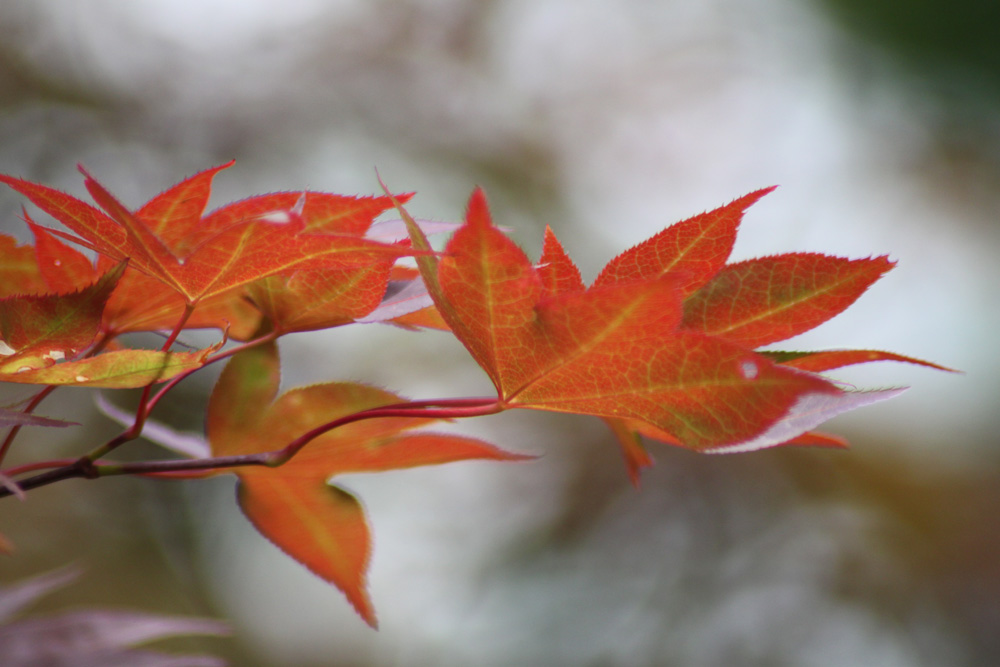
(693, 250)
(478, 212)
(632, 449)
(556, 269)
(826, 360)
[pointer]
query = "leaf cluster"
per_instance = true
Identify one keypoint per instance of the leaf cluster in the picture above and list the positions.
(663, 345)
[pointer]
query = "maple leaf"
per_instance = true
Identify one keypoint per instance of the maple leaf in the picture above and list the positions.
(616, 349)
(200, 257)
(754, 303)
(319, 524)
(141, 304)
(661, 345)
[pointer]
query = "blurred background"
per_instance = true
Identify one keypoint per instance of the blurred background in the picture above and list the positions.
(607, 120)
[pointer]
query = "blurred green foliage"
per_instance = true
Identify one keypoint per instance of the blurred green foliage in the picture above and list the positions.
(942, 41)
(949, 50)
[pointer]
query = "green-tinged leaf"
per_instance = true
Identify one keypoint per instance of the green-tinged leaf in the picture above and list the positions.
(242, 395)
(40, 330)
(120, 369)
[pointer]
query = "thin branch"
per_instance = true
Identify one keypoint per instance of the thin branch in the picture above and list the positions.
(161, 468)
(185, 316)
(462, 407)
(142, 411)
(72, 471)
(91, 468)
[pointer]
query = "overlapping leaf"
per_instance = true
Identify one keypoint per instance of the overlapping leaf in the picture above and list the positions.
(40, 330)
(42, 337)
(320, 525)
(139, 302)
(378, 292)
(320, 299)
(200, 257)
(118, 369)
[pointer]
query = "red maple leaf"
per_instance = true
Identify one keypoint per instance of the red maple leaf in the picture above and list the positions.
(616, 349)
(663, 342)
(202, 256)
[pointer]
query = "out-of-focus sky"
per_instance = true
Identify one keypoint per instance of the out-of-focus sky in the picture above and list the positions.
(606, 121)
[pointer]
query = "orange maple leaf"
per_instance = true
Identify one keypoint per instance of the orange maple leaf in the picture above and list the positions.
(319, 524)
